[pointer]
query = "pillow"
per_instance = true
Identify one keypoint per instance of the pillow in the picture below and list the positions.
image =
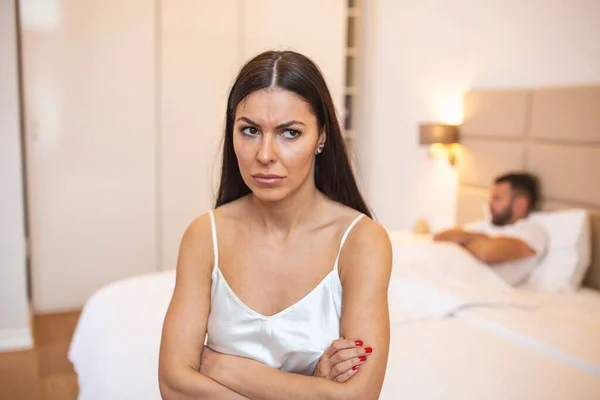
(568, 254)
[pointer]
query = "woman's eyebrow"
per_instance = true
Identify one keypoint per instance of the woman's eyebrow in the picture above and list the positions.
(248, 120)
(280, 126)
(289, 123)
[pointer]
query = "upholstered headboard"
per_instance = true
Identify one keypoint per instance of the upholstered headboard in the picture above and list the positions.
(553, 133)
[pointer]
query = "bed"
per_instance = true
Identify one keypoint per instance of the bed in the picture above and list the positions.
(437, 349)
(458, 331)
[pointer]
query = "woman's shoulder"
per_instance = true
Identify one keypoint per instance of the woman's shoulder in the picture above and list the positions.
(198, 234)
(195, 254)
(367, 240)
(365, 232)
(198, 238)
(369, 232)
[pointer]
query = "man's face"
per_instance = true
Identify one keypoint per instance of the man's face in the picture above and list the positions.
(501, 204)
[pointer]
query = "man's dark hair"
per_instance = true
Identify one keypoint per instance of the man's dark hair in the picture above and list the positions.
(523, 184)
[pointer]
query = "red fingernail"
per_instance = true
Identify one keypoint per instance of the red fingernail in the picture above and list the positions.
(369, 350)
(358, 342)
(362, 358)
(355, 367)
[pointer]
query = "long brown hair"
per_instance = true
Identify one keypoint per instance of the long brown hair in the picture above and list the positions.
(292, 71)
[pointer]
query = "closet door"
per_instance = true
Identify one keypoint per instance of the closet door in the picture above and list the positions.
(89, 93)
(315, 28)
(199, 59)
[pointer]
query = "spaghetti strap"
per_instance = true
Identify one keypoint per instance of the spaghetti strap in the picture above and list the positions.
(335, 266)
(213, 226)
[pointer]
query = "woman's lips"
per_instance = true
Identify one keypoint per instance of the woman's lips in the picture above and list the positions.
(267, 179)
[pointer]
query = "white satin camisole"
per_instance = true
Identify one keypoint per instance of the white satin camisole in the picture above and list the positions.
(292, 340)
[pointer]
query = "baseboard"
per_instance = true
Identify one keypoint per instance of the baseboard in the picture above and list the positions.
(56, 309)
(16, 339)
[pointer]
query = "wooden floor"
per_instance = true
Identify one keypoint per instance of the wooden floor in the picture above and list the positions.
(43, 373)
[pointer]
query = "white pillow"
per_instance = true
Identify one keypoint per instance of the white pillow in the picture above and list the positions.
(568, 255)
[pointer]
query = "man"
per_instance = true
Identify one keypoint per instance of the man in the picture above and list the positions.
(510, 242)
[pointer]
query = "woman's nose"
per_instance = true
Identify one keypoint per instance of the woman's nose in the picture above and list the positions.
(266, 152)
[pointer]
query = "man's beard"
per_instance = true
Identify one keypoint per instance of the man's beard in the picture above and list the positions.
(502, 218)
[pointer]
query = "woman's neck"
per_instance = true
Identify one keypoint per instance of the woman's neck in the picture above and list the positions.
(284, 216)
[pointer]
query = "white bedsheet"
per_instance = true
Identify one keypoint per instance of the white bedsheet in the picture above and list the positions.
(448, 359)
(565, 327)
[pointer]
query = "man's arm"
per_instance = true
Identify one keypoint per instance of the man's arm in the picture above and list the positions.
(490, 250)
(366, 262)
(499, 249)
(457, 236)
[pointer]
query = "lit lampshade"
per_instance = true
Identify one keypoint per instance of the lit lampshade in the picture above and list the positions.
(438, 133)
(441, 137)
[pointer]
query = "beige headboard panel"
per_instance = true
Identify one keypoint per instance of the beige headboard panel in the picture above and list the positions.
(566, 114)
(552, 133)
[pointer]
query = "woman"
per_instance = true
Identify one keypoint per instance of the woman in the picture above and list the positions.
(287, 263)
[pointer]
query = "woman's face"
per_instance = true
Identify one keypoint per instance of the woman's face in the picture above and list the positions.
(275, 136)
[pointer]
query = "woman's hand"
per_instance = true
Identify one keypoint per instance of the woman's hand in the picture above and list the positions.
(342, 359)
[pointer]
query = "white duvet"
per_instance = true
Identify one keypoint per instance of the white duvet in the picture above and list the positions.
(440, 279)
(443, 280)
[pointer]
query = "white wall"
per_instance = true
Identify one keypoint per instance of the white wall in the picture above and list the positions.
(420, 57)
(324, 42)
(14, 320)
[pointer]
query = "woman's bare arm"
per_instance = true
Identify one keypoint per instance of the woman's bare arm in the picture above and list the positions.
(365, 272)
(366, 265)
(184, 328)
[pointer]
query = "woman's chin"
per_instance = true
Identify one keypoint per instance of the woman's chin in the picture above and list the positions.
(269, 195)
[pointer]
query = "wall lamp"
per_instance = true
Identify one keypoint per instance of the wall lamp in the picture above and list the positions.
(443, 140)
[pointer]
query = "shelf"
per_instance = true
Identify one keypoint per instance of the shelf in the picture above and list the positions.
(351, 90)
(353, 21)
(353, 12)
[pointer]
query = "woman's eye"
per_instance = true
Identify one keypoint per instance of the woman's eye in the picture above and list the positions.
(250, 131)
(291, 134)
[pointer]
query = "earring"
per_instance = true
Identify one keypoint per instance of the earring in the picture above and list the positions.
(319, 150)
